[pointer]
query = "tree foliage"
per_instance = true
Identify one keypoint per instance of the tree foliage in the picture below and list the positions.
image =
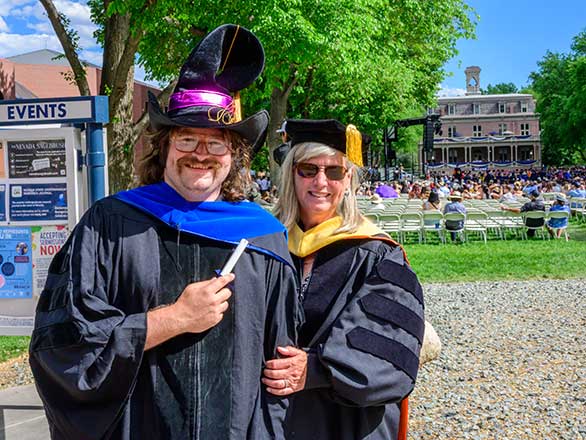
(366, 62)
(500, 89)
(560, 86)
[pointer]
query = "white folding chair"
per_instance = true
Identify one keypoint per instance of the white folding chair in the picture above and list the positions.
(533, 216)
(433, 224)
(390, 223)
(411, 222)
(476, 223)
(559, 215)
(453, 219)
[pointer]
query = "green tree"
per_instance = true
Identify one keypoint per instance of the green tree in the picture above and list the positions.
(366, 62)
(560, 86)
(500, 89)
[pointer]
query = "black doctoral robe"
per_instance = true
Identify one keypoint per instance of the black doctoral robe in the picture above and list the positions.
(87, 349)
(363, 328)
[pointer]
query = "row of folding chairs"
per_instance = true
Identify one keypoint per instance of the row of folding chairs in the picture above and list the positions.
(479, 223)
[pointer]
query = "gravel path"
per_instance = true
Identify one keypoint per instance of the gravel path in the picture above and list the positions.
(15, 372)
(513, 362)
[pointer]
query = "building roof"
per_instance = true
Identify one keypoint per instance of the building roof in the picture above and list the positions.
(22, 92)
(504, 97)
(45, 57)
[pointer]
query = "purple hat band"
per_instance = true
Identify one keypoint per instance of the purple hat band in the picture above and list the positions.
(192, 98)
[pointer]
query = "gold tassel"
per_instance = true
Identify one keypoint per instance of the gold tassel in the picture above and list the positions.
(354, 145)
(237, 108)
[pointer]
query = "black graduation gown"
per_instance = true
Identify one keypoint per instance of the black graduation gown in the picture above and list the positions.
(87, 349)
(364, 329)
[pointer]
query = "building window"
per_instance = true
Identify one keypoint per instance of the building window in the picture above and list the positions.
(451, 109)
(476, 130)
(525, 152)
(502, 154)
(525, 129)
(524, 107)
(452, 131)
(453, 155)
(502, 128)
(501, 107)
(476, 108)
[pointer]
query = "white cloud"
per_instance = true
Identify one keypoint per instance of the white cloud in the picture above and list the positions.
(40, 28)
(3, 25)
(15, 44)
(6, 6)
(94, 57)
(446, 91)
(78, 13)
(28, 11)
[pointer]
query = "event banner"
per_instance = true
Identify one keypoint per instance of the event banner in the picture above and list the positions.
(38, 202)
(37, 158)
(16, 278)
(2, 160)
(46, 242)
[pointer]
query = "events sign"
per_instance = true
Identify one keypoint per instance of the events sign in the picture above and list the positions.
(36, 158)
(60, 110)
(15, 263)
(38, 202)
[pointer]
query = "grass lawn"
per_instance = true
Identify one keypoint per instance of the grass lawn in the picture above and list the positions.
(513, 259)
(13, 346)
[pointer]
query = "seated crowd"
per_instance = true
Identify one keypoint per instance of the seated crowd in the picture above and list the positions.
(517, 191)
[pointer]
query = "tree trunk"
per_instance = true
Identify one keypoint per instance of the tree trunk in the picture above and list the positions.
(278, 112)
(118, 84)
(121, 141)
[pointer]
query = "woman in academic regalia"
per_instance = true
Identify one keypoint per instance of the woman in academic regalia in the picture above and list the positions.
(363, 304)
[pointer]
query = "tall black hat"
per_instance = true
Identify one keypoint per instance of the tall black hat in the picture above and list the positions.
(226, 60)
(330, 132)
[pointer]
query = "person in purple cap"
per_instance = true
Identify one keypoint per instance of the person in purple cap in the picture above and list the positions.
(138, 335)
(386, 191)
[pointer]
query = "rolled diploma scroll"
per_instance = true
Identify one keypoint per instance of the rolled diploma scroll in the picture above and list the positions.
(234, 257)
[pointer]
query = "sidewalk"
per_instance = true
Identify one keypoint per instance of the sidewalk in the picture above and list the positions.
(21, 414)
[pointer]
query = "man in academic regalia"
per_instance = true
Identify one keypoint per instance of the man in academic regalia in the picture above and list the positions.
(135, 336)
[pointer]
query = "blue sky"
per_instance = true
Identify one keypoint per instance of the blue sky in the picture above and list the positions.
(512, 36)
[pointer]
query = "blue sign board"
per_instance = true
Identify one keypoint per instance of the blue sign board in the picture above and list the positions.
(72, 110)
(38, 202)
(16, 266)
(2, 203)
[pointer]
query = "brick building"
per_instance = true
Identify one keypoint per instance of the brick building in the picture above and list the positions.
(43, 74)
(486, 131)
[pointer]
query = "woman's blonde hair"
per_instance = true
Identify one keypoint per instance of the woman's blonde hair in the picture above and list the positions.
(287, 207)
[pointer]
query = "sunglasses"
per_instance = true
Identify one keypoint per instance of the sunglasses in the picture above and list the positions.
(213, 146)
(310, 170)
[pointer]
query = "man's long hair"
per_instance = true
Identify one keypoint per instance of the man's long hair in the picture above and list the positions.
(151, 167)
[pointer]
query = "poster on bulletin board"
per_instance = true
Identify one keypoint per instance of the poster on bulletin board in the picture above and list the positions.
(16, 263)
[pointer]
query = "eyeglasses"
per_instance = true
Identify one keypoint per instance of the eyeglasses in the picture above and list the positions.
(310, 170)
(189, 144)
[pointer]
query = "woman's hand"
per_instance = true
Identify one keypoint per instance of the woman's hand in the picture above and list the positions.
(286, 375)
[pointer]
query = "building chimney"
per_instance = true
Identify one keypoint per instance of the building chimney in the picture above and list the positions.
(472, 80)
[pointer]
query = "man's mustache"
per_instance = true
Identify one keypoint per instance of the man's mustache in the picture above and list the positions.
(208, 163)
